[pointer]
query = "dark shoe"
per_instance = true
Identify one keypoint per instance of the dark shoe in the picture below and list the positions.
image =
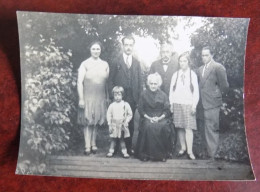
(94, 150)
(181, 153)
(131, 152)
(87, 153)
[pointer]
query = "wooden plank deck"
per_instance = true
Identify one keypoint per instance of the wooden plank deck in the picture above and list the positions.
(173, 169)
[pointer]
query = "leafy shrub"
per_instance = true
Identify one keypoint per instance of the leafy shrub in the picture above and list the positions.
(48, 105)
(232, 112)
(233, 147)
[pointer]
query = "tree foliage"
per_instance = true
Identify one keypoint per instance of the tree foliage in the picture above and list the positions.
(227, 38)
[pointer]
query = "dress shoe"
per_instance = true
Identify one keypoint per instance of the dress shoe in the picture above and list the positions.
(181, 153)
(191, 156)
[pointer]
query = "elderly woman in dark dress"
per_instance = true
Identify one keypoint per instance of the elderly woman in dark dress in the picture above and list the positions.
(154, 129)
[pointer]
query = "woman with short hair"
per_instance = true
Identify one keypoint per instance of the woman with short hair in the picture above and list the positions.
(92, 77)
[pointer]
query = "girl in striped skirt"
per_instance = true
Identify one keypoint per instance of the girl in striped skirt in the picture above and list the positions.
(184, 97)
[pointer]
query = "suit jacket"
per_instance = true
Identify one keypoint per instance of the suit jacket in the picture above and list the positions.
(212, 85)
(118, 77)
(157, 66)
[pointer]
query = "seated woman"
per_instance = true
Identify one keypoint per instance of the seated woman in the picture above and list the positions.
(154, 128)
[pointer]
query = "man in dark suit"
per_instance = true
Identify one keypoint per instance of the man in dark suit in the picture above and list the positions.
(213, 82)
(166, 66)
(125, 71)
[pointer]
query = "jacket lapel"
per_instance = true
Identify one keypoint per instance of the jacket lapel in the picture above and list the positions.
(162, 69)
(170, 68)
(207, 73)
(122, 64)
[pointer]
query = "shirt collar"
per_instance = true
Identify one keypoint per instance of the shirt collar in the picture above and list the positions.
(207, 65)
(166, 62)
(186, 72)
(125, 56)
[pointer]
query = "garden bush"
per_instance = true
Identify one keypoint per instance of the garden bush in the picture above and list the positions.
(49, 111)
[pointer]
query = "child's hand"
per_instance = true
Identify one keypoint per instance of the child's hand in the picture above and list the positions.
(110, 130)
(125, 124)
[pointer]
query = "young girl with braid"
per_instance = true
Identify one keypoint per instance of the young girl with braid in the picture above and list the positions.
(184, 97)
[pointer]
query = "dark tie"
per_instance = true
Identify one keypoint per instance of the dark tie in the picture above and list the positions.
(127, 62)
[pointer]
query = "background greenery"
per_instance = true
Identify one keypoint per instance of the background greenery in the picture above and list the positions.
(52, 46)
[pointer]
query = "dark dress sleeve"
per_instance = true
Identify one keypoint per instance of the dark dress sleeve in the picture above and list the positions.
(141, 105)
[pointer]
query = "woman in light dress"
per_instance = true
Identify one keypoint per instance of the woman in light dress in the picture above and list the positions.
(92, 91)
(184, 97)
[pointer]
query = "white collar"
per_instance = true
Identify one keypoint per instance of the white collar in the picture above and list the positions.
(185, 72)
(207, 65)
(166, 62)
(127, 56)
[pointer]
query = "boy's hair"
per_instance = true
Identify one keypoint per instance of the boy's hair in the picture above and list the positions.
(118, 89)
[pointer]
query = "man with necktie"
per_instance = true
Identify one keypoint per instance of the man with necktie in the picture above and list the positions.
(125, 71)
(166, 66)
(212, 82)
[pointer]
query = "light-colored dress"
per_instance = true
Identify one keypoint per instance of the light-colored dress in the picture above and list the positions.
(119, 114)
(94, 74)
(183, 99)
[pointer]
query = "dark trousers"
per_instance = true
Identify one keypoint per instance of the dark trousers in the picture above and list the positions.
(128, 141)
(211, 119)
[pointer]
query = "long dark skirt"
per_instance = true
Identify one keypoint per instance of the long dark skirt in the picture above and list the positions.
(153, 140)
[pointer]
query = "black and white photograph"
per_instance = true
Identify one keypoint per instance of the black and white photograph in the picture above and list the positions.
(133, 97)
